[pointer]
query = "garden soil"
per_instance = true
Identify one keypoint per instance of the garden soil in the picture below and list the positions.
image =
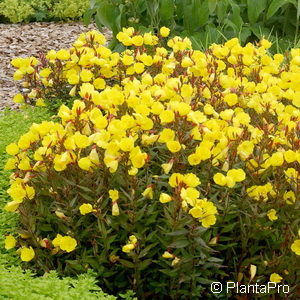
(24, 40)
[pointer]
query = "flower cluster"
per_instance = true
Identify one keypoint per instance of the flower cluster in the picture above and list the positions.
(176, 125)
(131, 244)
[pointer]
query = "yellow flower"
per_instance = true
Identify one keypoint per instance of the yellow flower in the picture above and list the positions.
(10, 242)
(128, 248)
(137, 40)
(113, 195)
(175, 261)
(296, 247)
(167, 116)
(148, 192)
(99, 83)
(272, 214)
(126, 144)
(12, 149)
(18, 98)
(164, 31)
(67, 243)
(85, 163)
(173, 146)
(86, 75)
(133, 239)
(139, 68)
(166, 135)
(220, 179)
(191, 180)
(236, 174)
(167, 255)
(115, 209)
(164, 198)
(40, 102)
(275, 278)
(63, 54)
(231, 99)
(56, 241)
(205, 211)
(167, 167)
(11, 206)
(27, 254)
(85, 208)
(175, 179)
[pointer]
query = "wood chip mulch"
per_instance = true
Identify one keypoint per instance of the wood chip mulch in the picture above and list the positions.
(24, 40)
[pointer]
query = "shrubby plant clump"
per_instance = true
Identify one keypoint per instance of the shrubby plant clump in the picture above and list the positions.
(17, 11)
(173, 168)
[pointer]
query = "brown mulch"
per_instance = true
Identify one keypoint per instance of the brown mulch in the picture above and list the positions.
(24, 40)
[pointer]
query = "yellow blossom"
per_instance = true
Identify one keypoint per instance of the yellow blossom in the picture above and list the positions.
(27, 254)
(10, 242)
(85, 208)
(275, 278)
(164, 31)
(272, 214)
(67, 243)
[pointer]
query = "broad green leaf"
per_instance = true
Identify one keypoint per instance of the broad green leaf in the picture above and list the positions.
(201, 7)
(255, 8)
(259, 30)
(222, 8)
(179, 5)
(87, 16)
(212, 4)
(107, 14)
(236, 18)
(166, 10)
(196, 15)
(276, 5)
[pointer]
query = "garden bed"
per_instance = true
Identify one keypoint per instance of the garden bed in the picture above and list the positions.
(23, 40)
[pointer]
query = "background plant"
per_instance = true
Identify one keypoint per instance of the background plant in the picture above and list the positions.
(204, 21)
(119, 183)
(17, 11)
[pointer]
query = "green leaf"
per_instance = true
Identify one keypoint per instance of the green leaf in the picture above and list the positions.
(259, 30)
(107, 14)
(201, 7)
(87, 16)
(236, 18)
(166, 10)
(179, 243)
(222, 7)
(146, 250)
(255, 8)
(196, 15)
(212, 4)
(275, 6)
(177, 233)
(126, 263)
(144, 264)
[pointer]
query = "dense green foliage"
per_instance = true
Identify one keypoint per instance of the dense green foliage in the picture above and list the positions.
(204, 21)
(18, 285)
(17, 11)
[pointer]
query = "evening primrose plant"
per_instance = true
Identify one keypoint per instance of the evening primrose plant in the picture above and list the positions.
(173, 168)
